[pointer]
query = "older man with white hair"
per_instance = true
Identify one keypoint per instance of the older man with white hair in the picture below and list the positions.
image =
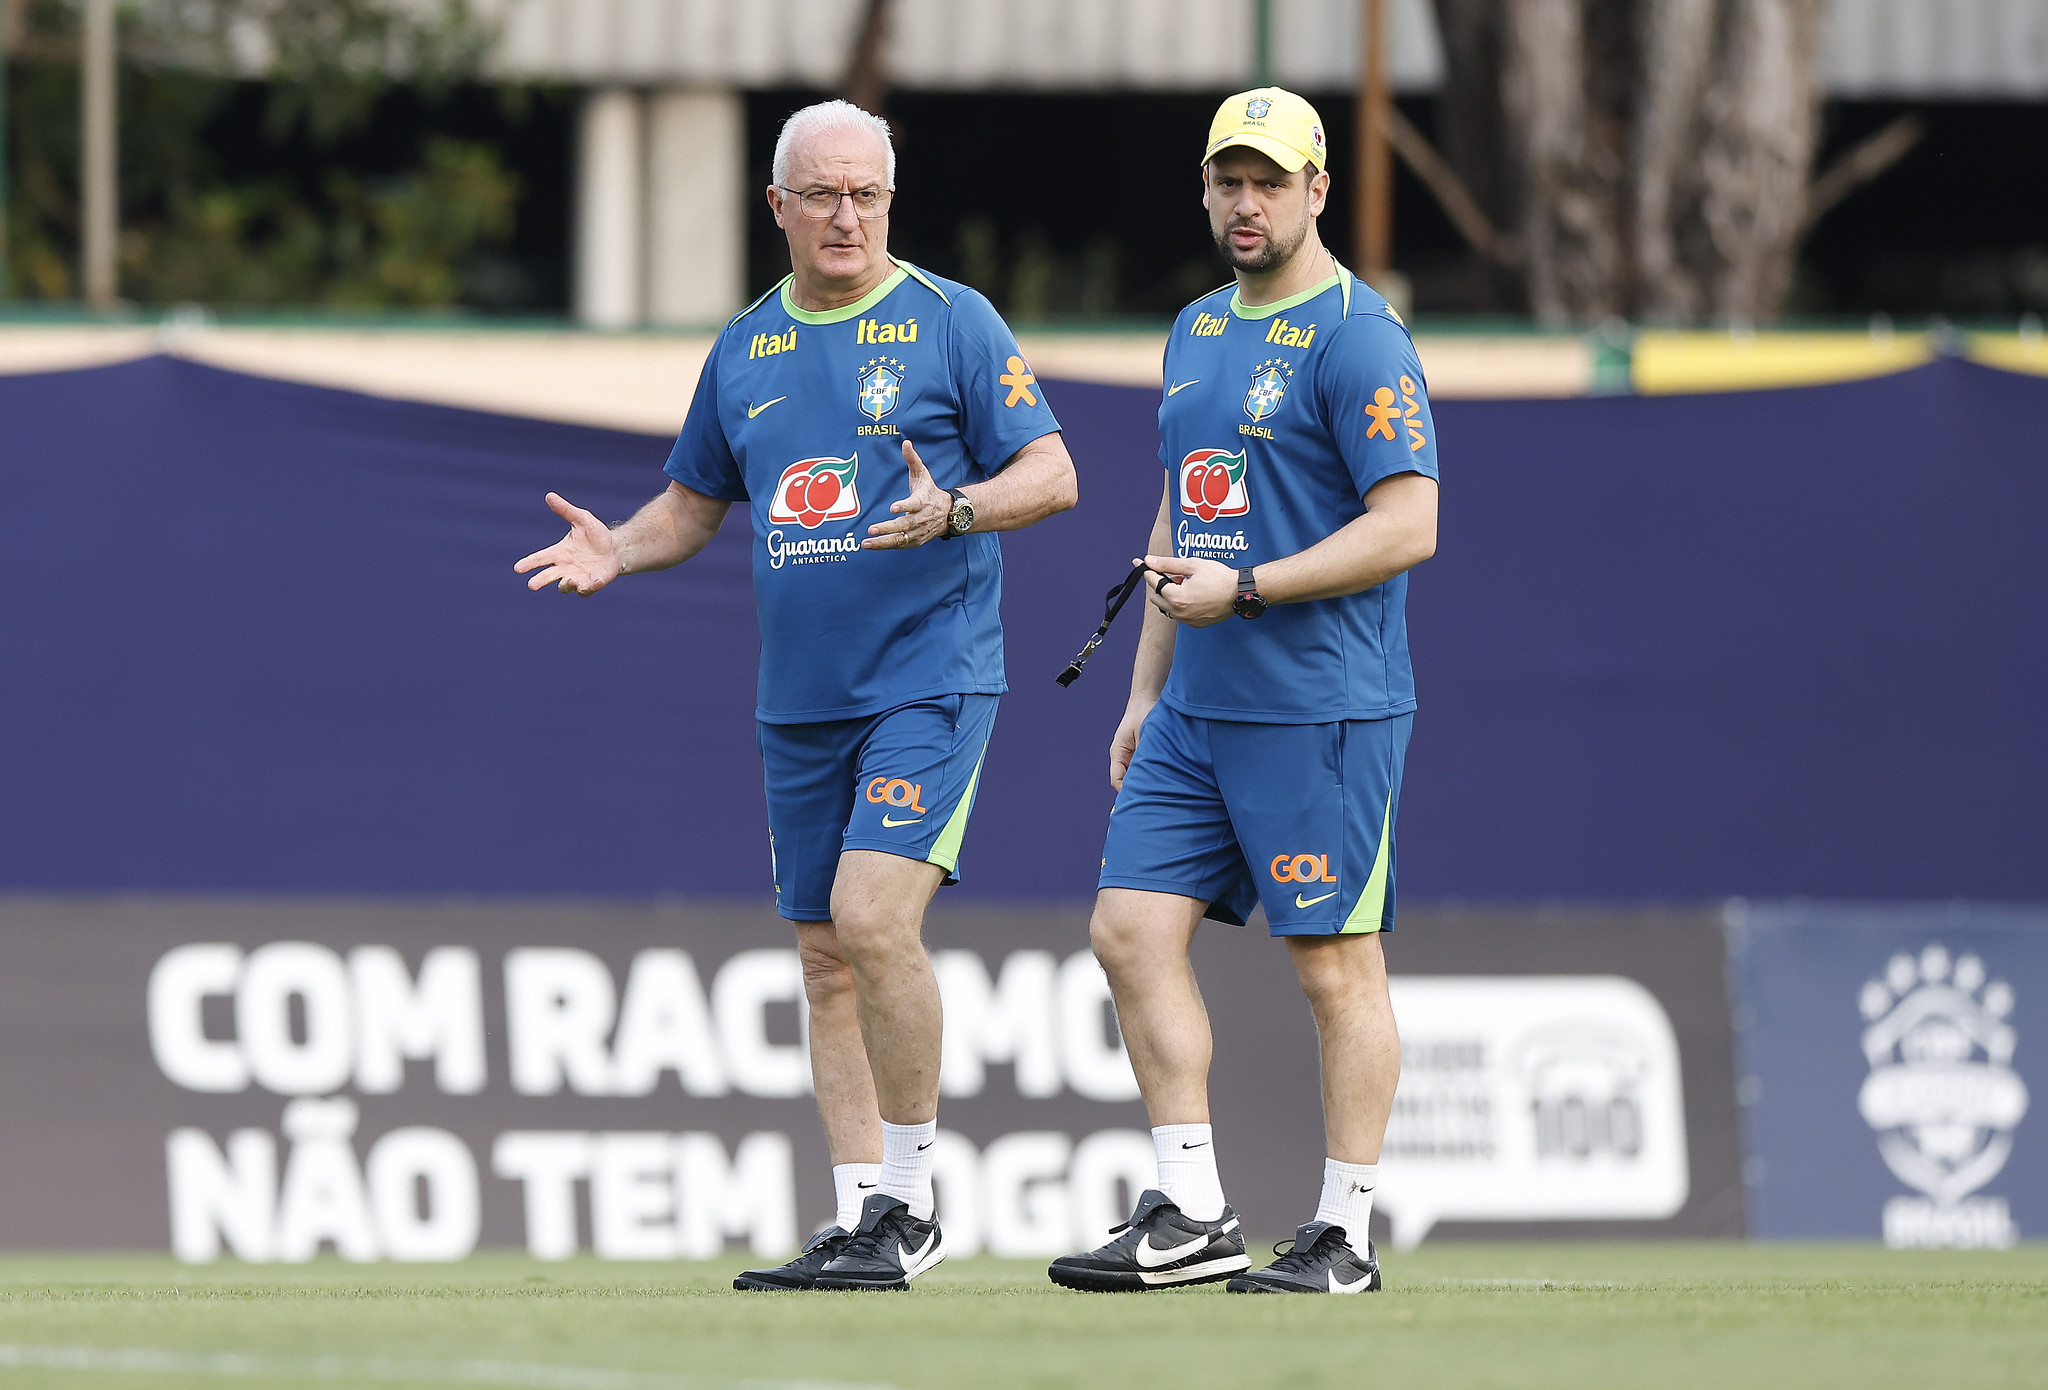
(881, 650)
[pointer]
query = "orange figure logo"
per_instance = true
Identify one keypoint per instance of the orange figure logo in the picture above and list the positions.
(1384, 412)
(1020, 382)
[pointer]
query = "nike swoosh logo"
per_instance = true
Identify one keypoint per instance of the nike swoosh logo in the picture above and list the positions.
(1175, 390)
(1339, 1286)
(911, 1258)
(1300, 901)
(864, 1186)
(754, 410)
(1151, 1256)
(927, 1144)
(892, 823)
(1203, 1145)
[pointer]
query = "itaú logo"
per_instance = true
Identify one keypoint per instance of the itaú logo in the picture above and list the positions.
(1302, 868)
(1212, 484)
(812, 492)
(894, 791)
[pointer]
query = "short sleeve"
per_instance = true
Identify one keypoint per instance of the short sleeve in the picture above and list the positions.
(1376, 402)
(702, 459)
(1166, 374)
(1002, 406)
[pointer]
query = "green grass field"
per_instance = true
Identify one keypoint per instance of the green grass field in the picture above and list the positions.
(1587, 1315)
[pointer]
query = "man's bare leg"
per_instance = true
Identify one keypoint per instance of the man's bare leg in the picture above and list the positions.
(875, 1028)
(1142, 941)
(878, 903)
(1345, 979)
(839, 1058)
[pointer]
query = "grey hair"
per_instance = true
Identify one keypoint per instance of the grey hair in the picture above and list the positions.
(826, 116)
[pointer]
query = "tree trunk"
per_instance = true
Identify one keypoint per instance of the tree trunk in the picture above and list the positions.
(1677, 38)
(1763, 123)
(1653, 154)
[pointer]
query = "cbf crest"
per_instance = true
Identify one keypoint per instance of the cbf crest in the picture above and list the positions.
(1942, 1095)
(881, 385)
(1268, 388)
(1256, 108)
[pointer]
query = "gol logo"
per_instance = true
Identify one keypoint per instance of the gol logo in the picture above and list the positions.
(1299, 868)
(894, 791)
(1212, 484)
(813, 491)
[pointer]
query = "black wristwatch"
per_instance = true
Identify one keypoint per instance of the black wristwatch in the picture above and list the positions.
(1249, 603)
(961, 519)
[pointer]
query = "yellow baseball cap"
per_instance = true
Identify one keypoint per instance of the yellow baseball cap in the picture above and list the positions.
(1275, 122)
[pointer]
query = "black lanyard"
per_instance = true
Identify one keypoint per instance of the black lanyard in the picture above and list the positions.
(1112, 604)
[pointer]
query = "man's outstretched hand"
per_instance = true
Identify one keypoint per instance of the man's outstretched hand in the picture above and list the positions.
(582, 562)
(920, 517)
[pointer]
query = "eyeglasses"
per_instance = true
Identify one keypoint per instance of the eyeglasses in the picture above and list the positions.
(821, 203)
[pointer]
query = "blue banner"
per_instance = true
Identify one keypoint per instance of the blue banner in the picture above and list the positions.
(266, 638)
(1889, 1060)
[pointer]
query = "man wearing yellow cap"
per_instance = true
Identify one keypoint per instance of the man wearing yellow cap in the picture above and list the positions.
(1259, 761)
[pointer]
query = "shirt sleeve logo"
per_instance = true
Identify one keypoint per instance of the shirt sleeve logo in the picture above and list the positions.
(1020, 381)
(881, 385)
(1269, 386)
(1385, 415)
(812, 492)
(1212, 484)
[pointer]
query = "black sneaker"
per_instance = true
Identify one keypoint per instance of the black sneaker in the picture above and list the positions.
(1159, 1247)
(801, 1272)
(890, 1249)
(1317, 1260)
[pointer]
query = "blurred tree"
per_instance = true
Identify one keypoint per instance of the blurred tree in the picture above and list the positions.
(1649, 158)
(191, 232)
(867, 83)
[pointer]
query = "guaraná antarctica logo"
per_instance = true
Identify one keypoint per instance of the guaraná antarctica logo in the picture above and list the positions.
(1942, 1095)
(811, 492)
(1212, 484)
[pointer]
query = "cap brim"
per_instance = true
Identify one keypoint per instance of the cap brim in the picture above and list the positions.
(1279, 151)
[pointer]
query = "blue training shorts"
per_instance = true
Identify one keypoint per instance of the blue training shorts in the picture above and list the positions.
(1299, 817)
(901, 782)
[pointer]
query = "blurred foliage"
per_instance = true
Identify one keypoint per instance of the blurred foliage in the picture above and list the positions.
(191, 230)
(399, 241)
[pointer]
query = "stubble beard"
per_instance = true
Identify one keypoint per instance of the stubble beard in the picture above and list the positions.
(1277, 249)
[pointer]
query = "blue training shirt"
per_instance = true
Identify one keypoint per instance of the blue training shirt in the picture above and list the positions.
(803, 415)
(1276, 421)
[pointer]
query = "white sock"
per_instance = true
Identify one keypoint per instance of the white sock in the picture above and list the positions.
(1187, 1170)
(1347, 1199)
(851, 1184)
(907, 1164)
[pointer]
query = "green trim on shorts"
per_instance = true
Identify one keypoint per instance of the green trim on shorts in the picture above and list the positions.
(946, 849)
(1371, 912)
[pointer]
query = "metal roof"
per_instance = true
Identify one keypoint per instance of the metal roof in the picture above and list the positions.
(1874, 48)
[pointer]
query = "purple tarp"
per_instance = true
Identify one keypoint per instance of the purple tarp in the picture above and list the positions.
(264, 637)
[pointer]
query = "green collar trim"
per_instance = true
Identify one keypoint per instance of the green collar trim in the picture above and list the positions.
(1266, 311)
(925, 280)
(841, 315)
